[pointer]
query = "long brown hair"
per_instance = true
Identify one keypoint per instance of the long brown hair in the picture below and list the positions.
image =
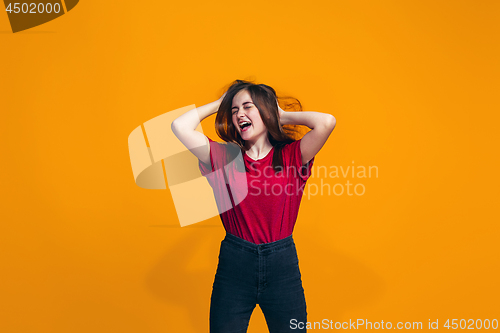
(264, 98)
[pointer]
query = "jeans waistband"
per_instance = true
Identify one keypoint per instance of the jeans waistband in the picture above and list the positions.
(259, 248)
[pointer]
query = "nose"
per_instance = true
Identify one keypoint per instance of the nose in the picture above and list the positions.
(240, 114)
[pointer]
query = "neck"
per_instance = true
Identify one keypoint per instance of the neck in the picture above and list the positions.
(258, 148)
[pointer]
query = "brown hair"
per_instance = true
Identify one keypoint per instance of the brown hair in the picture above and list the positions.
(264, 98)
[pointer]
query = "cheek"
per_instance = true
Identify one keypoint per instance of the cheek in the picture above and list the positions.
(260, 126)
(261, 123)
(257, 119)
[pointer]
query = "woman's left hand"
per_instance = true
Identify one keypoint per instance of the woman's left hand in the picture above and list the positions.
(280, 110)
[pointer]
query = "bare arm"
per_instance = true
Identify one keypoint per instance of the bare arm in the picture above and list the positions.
(184, 128)
(321, 125)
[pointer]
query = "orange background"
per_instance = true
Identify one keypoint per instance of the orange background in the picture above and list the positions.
(414, 88)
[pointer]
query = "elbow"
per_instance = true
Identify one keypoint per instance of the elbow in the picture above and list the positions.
(330, 122)
(177, 124)
(174, 127)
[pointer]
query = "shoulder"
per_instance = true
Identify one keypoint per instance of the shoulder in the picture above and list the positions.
(217, 156)
(291, 148)
(217, 145)
(222, 151)
(292, 154)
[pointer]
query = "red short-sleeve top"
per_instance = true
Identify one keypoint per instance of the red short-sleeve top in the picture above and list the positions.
(257, 205)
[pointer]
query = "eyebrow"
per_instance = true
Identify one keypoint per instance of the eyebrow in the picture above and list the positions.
(235, 107)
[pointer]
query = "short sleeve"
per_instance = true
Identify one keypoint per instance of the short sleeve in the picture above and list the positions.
(295, 158)
(216, 156)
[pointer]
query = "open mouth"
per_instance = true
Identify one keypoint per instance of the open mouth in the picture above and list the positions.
(245, 125)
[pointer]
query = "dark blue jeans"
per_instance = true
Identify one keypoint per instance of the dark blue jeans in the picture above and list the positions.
(249, 274)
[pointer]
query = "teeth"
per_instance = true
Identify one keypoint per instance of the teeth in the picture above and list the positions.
(244, 123)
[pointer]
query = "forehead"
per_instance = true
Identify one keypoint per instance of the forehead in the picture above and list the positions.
(241, 97)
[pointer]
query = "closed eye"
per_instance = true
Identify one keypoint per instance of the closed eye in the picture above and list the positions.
(246, 107)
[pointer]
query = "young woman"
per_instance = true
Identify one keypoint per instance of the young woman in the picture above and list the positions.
(258, 177)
